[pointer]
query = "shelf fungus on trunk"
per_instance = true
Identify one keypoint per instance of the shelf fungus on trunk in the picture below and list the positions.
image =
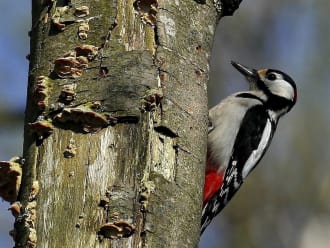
(116, 230)
(10, 179)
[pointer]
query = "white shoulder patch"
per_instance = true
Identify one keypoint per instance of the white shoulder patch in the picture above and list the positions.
(256, 154)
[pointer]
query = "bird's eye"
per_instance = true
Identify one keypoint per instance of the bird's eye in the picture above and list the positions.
(271, 76)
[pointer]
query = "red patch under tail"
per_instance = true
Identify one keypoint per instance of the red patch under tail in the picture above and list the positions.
(213, 181)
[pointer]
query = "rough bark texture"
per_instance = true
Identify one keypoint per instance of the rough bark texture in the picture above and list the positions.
(115, 136)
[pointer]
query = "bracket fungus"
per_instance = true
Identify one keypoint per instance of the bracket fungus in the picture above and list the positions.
(42, 128)
(15, 208)
(116, 230)
(10, 179)
(58, 18)
(88, 51)
(81, 11)
(40, 91)
(68, 93)
(89, 120)
(83, 30)
(70, 67)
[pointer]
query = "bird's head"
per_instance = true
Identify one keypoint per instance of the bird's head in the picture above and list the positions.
(278, 87)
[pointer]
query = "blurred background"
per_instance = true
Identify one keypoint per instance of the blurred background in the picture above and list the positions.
(285, 202)
(15, 22)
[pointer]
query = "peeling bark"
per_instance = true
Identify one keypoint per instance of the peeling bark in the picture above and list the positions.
(123, 162)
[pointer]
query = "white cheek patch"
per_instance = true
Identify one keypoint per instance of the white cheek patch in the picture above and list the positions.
(257, 154)
(281, 88)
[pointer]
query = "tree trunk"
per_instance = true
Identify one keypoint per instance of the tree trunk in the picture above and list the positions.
(116, 124)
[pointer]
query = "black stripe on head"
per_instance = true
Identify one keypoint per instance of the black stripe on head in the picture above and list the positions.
(249, 95)
(286, 77)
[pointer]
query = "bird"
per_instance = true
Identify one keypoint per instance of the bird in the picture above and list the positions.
(241, 128)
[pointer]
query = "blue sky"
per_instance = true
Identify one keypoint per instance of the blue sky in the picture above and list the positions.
(14, 46)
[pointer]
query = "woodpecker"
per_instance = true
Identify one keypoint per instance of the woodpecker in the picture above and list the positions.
(241, 128)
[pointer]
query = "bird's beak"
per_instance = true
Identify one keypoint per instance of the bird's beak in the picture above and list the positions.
(247, 72)
(251, 75)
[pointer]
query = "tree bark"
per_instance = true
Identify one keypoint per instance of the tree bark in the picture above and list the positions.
(116, 124)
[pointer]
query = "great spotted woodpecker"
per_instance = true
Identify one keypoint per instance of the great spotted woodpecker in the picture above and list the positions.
(241, 129)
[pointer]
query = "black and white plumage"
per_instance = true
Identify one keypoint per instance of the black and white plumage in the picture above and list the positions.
(242, 127)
